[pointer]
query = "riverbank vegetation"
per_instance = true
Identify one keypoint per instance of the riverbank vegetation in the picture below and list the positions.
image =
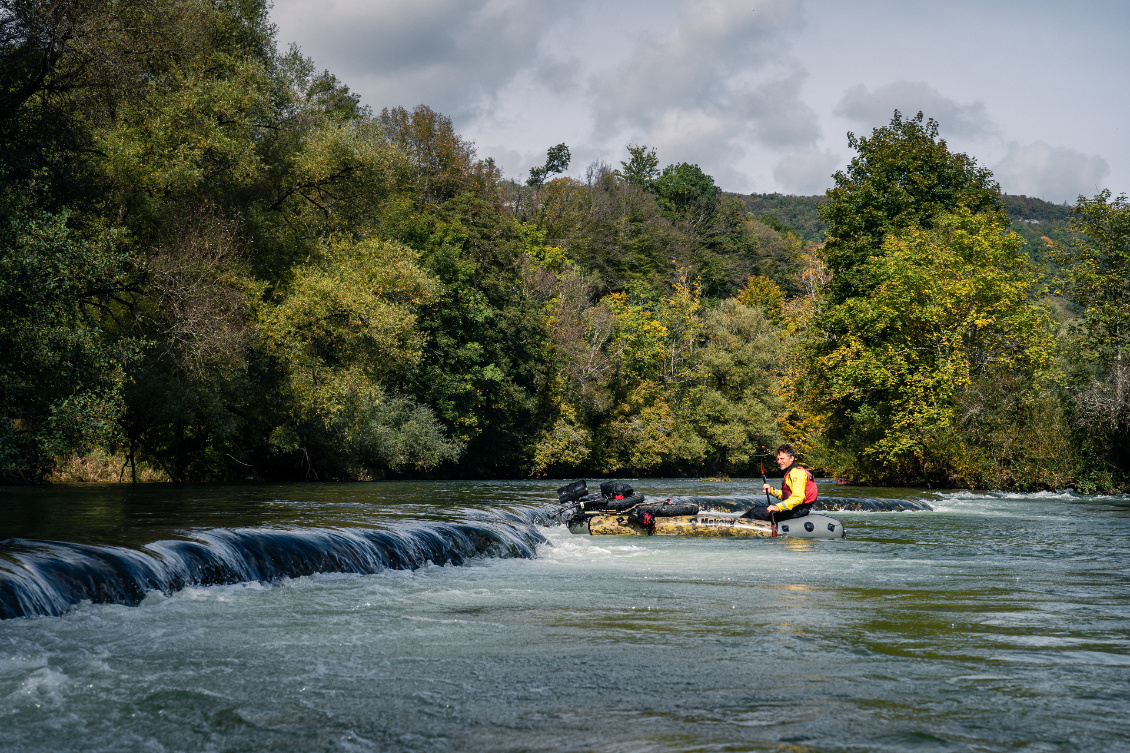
(215, 263)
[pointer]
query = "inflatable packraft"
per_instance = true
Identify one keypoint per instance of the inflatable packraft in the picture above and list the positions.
(619, 510)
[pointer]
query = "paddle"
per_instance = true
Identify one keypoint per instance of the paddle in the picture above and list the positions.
(772, 516)
(765, 481)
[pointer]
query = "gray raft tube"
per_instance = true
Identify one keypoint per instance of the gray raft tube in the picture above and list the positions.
(811, 526)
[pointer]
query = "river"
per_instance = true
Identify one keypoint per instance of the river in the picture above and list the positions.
(997, 622)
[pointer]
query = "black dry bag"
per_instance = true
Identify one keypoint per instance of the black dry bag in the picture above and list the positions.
(572, 491)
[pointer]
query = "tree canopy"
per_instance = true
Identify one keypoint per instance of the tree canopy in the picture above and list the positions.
(902, 176)
(1095, 274)
(217, 263)
(951, 307)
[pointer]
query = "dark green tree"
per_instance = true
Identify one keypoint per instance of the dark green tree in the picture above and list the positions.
(1095, 273)
(177, 178)
(61, 373)
(556, 162)
(486, 362)
(929, 305)
(902, 176)
(642, 168)
(687, 195)
(62, 268)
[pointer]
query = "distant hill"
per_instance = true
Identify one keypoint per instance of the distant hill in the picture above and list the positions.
(1032, 218)
(784, 212)
(1035, 219)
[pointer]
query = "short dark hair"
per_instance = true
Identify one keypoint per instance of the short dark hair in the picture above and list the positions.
(787, 449)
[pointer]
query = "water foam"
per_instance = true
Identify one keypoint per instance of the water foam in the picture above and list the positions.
(48, 578)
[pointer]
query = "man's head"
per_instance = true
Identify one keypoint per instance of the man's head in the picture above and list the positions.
(786, 456)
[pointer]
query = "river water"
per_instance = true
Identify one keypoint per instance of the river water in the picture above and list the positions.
(998, 622)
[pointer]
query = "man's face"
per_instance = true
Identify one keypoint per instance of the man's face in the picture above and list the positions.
(784, 460)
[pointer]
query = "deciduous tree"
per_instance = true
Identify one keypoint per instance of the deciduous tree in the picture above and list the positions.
(1095, 273)
(949, 307)
(902, 176)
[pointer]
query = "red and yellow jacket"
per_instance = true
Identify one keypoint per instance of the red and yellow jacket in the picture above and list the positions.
(798, 487)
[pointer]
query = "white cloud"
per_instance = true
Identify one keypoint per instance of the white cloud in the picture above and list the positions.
(874, 107)
(449, 54)
(1052, 173)
(721, 71)
(807, 173)
(695, 136)
(748, 89)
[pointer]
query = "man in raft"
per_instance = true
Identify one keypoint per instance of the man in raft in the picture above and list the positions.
(798, 490)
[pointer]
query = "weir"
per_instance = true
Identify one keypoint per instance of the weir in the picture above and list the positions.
(999, 621)
(47, 578)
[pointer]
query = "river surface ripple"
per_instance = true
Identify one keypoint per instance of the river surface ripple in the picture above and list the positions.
(996, 623)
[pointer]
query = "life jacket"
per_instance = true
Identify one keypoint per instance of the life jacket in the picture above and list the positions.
(809, 485)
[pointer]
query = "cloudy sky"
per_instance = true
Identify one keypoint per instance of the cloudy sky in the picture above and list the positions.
(759, 93)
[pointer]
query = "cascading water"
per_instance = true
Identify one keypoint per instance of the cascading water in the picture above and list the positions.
(994, 623)
(46, 578)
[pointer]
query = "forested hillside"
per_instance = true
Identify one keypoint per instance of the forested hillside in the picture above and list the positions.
(1033, 219)
(216, 264)
(801, 214)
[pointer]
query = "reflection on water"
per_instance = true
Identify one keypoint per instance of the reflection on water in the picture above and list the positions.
(999, 622)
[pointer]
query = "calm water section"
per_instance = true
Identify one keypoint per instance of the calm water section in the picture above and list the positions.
(996, 623)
